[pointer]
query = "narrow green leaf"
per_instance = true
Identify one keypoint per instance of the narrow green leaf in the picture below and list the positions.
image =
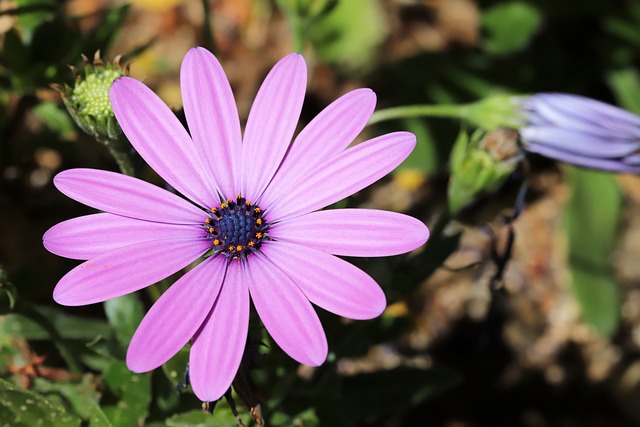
(70, 327)
(592, 219)
(626, 85)
(54, 118)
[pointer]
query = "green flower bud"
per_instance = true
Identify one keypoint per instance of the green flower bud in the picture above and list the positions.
(501, 111)
(480, 165)
(88, 100)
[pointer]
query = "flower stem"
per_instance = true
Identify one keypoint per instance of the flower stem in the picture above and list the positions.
(404, 112)
(121, 153)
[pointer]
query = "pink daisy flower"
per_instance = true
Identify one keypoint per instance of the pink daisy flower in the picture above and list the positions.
(251, 202)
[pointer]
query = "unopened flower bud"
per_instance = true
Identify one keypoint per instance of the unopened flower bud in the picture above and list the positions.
(481, 164)
(88, 100)
(581, 131)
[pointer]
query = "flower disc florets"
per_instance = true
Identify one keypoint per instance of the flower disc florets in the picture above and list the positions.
(87, 101)
(91, 95)
(236, 228)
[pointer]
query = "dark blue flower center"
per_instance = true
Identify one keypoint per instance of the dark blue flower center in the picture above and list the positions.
(236, 228)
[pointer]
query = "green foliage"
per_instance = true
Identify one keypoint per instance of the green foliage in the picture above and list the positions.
(592, 223)
(222, 417)
(350, 35)
(55, 118)
(133, 393)
(82, 397)
(124, 315)
(72, 360)
(23, 408)
(510, 26)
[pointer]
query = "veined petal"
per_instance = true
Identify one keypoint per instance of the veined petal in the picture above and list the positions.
(355, 169)
(218, 346)
(325, 137)
(579, 143)
(587, 107)
(126, 270)
(212, 116)
(88, 236)
(271, 123)
(162, 141)
(328, 281)
(123, 195)
(353, 232)
(286, 312)
(614, 165)
(176, 316)
(560, 112)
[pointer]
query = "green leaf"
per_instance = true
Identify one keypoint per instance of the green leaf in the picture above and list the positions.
(70, 327)
(626, 85)
(221, 417)
(350, 34)
(592, 218)
(133, 392)
(33, 13)
(124, 314)
(19, 407)
(424, 156)
(510, 26)
(54, 118)
(599, 299)
(82, 396)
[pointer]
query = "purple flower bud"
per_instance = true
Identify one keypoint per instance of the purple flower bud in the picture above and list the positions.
(581, 131)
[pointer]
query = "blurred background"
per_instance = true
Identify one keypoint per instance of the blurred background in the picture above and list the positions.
(545, 334)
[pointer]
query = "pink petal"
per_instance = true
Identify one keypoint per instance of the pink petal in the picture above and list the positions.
(326, 136)
(123, 195)
(286, 312)
(355, 169)
(353, 232)
(218, 346)
(176, 316)
(328, 281)
(159, 137)
(212, 116)
(126, 270)
(271, 123)
(88, 236)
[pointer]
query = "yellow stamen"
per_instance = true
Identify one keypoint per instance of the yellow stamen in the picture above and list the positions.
(208, 220)
(239, 248)
(251, 244)
(223, 205)
(211, 230)
(259, 221)
(259, 235)
(248, 202)
(257, 210)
